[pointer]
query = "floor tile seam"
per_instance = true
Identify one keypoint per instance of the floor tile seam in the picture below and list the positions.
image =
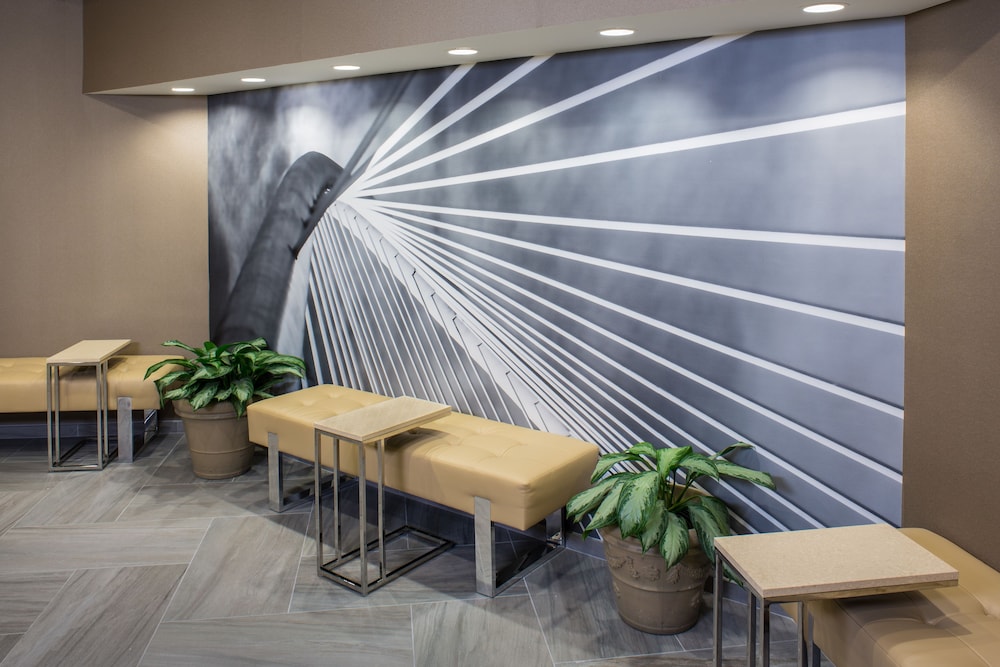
(166, 606)
(413, 637)
(44, 609)
(538, 619)
(291, 614)
(187, 570)
(28, 511)
(151, 524)
(102, 566)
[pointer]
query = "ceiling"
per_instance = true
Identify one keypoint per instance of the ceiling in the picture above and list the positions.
(699, 20)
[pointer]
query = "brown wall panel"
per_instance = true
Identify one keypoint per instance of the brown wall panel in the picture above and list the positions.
(180, 39)
(103, 200)
(952, 384)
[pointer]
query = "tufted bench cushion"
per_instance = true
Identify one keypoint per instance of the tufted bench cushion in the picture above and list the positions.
(526, 474)
(22, 384)
(942, 627)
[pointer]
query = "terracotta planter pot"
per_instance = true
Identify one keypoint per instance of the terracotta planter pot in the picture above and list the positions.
(218, 440)
(650, 597)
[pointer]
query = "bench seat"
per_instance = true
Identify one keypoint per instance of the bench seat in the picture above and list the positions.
(941, 627)
(518, 475)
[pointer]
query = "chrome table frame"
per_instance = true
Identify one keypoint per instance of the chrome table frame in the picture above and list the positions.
(86, 353)
(387, 419)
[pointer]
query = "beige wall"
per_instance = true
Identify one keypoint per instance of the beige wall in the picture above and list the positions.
(103, 200)
(951, 454)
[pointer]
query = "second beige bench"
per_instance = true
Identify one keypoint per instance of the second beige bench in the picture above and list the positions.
(499, 473)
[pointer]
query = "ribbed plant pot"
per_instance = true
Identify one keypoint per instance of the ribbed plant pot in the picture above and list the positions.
(650, 597)
(218, 440)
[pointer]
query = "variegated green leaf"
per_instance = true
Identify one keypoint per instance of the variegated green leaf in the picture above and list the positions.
(707, 528)
(586, 501)
(729, 469)
(717, 509)
(606, 462)
(644, 450)
(655, 525)
(668, 458)
(732, 448)
(699, 464)
(675, 543)
(637, 499)
(607, 512)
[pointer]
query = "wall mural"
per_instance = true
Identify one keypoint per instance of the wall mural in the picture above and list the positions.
(688, 243)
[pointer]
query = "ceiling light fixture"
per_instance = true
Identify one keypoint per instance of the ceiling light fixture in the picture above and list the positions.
(252, 79)
(463, 51)
(824, 8)
(617, 32)
(182, 89)
(346, 68)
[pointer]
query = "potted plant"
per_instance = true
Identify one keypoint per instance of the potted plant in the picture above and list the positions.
(658, 529)
(211, 391)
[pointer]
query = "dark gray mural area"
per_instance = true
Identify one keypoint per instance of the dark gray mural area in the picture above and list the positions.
(687, 243)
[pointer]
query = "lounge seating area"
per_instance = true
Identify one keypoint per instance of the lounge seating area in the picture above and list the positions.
(519, 334)
(147, 564)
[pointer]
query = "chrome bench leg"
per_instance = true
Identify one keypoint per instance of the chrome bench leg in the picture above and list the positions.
(126, 447)
(275, 475)
(489, 580)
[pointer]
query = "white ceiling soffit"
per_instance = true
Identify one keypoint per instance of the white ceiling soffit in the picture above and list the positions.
(746, 16)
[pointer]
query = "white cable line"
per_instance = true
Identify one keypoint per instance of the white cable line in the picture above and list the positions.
(638, 74)
(760, 236)
(475, 103)
(418, 114)
(796, 126)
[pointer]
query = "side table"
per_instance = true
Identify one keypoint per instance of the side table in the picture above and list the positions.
(86, 353)
(372, 424)
(798, 566)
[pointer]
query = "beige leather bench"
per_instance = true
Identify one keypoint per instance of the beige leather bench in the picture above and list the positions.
(499, 473)
(941, 627)
(22, 390)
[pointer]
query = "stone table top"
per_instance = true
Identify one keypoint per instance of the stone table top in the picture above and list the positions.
(382, 420)
(89, 352)
(833, 563)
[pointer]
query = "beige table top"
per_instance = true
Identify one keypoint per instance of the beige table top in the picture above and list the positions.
(89, 352)
(382, 420)
(834, 563)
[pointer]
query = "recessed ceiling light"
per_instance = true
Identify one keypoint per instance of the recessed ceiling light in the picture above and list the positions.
(182, 89)
(824, 8)
(463, 51)
(617, 32)
(252, 79)
(346, 68)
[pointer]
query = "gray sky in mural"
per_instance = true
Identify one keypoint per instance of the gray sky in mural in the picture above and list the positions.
(686, 243)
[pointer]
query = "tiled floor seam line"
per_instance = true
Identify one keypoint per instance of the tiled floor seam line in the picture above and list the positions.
(413, 638)
(163, 612)
(538, 618)
(187, 569)
(27, 512)
(298, 568)
(41, 612)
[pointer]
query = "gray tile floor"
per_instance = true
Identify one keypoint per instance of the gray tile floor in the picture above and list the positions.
(145, 564)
